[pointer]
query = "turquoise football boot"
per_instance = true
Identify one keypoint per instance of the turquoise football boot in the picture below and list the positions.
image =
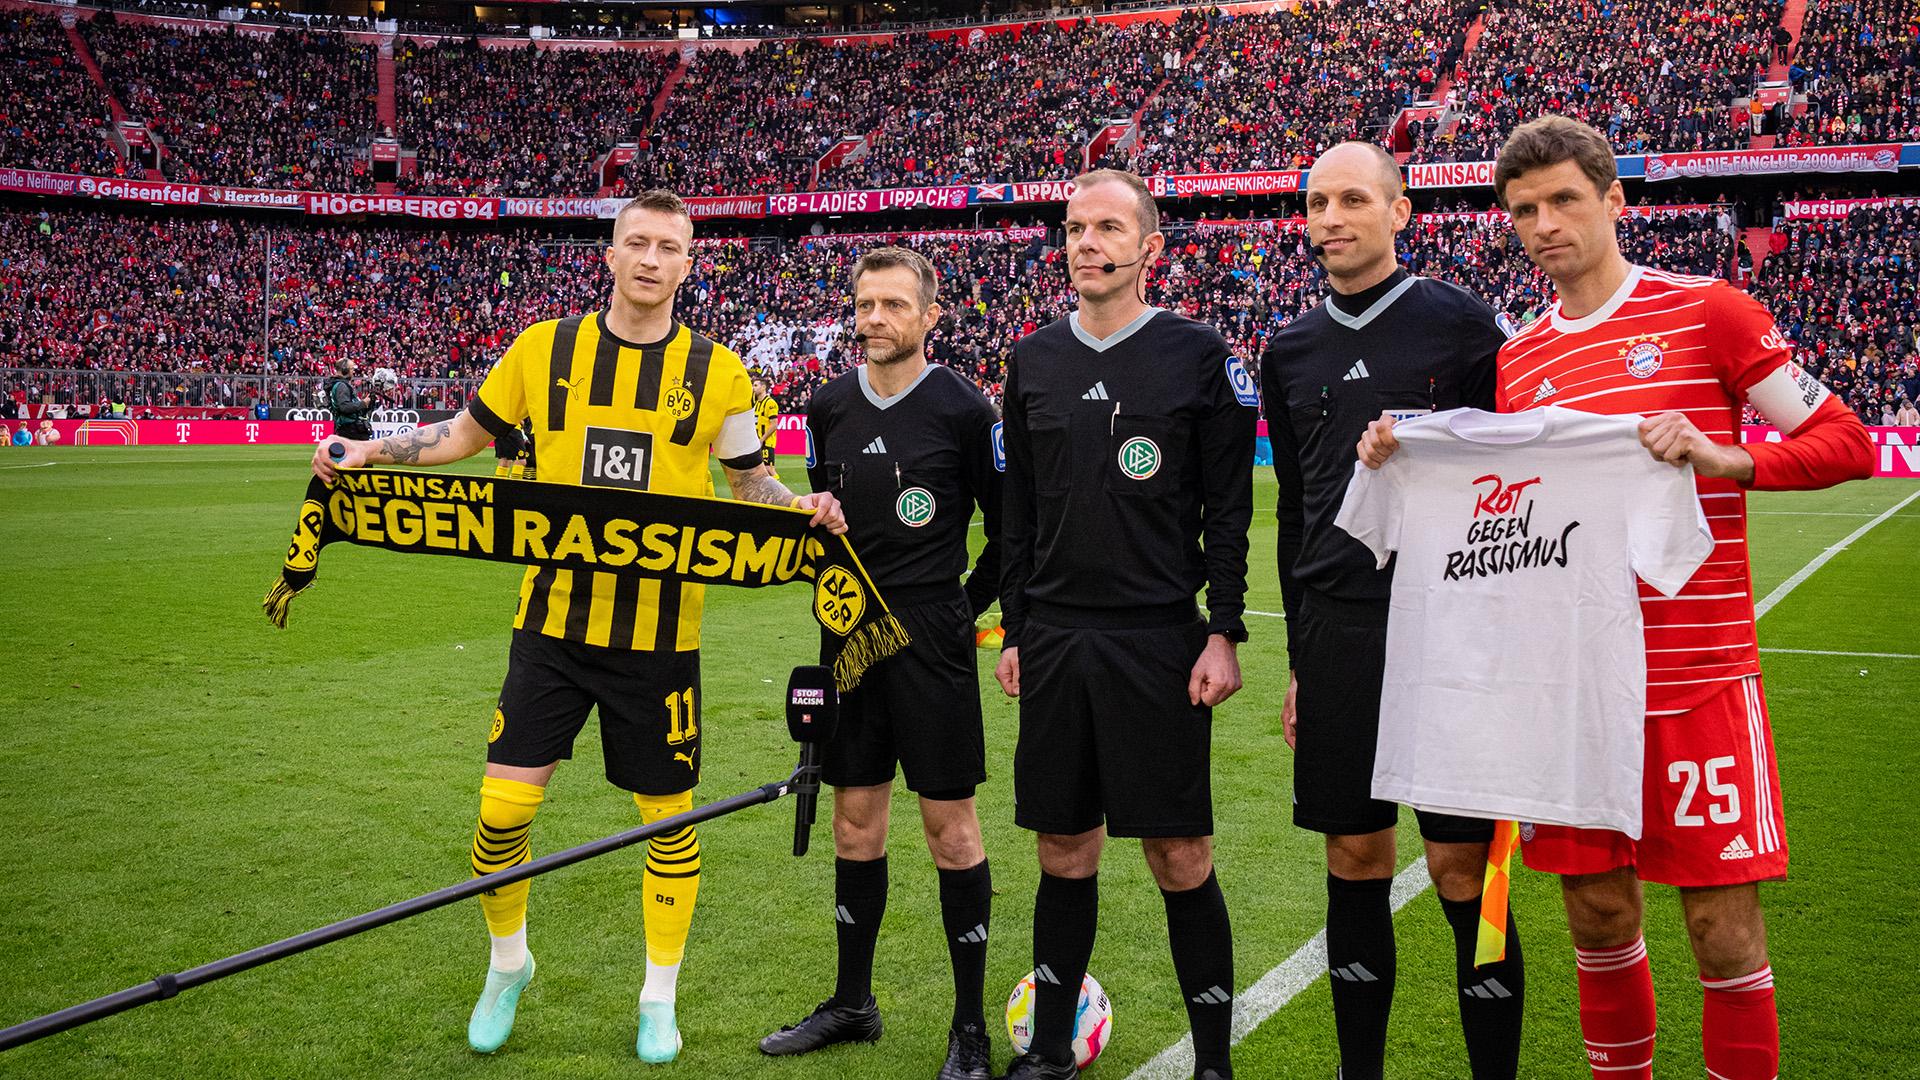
(492, 1019)
(659, 1040)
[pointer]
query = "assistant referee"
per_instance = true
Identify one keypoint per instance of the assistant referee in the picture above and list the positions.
(1129, 439)
(1382, 342)
(908, 449)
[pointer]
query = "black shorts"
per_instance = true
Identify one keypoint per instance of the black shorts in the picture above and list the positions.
(1107, 733)
(766, 455)
(1341, 650)
(919, 707)
(649, 710)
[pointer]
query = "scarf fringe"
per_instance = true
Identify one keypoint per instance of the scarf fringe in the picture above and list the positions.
(866, 647)
(279, 602)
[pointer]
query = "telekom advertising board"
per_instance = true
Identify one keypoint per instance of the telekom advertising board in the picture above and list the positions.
(1896, 449)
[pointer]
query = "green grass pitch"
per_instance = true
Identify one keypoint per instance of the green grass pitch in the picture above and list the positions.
(183, 782)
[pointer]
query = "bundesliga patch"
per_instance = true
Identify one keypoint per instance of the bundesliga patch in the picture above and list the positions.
(813, 459)
(1506, 324)
(1139, 457)
(1244, 391)
(914, 507)
(1644, 355)
(999, 445)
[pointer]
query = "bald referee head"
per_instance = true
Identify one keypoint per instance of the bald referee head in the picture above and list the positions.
(1355, 205)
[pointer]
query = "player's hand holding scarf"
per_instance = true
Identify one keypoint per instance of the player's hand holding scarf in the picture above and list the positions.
(679, 538)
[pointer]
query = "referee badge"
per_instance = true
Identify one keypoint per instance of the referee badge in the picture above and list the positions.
(1644, 355)
(914, 507)
(1000, 445)
(813, 459)
(1244, 391)
(1139, 457)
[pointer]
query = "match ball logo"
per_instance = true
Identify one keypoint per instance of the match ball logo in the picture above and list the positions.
(1139, 458)
(1644, 355)
(499, 724)
(680, 403)
(838, 600)
(914, 506)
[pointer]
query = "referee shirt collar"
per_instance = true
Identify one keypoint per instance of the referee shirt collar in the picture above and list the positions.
(1115, 338)
(1371, 302)
(866, 387)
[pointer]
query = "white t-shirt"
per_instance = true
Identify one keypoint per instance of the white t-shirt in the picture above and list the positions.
(1516, 671)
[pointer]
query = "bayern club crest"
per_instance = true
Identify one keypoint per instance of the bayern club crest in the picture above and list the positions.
(1644, 355)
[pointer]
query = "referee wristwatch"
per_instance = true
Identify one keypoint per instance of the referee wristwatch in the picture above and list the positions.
(1236, 635)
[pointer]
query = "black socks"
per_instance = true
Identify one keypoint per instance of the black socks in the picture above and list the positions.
(1361, 960)
(966, 905)
(1491, 997)
(859, 902)
(1202, 942)
(1066, 912)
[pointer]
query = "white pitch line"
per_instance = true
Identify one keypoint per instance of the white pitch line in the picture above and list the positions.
(1268, 614)
(1297, 972)
(42, 465)
(1826, 652)
(1780, 592)
(1277, 987)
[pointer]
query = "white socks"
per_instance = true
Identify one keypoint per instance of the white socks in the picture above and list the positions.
(662, 981)
(509, 952)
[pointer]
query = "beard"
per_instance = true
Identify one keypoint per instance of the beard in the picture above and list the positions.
(901, 350)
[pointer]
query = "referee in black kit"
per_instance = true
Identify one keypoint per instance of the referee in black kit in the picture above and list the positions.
(908, 447)
(1129, 441)
(1382, 342)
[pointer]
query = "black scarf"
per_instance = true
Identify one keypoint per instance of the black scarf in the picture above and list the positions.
(678, 538)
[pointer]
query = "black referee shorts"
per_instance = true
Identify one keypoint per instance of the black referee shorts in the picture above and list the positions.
(1341, 650)
(649, 710)
(1107, 733)
(919, 708)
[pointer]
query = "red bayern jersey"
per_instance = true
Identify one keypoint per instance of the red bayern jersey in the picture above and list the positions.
(1673, 342)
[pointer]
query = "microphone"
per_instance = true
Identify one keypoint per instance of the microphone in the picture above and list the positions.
(1109, 268)
(860, 339)
(1318, 251)
(813, 712)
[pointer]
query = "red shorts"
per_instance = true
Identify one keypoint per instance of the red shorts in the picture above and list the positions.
(1710, 803)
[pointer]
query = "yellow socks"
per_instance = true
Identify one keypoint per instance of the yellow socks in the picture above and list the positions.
(500, 842)
(672, 882)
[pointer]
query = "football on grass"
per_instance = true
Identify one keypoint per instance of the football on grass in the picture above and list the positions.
(1092, 1019)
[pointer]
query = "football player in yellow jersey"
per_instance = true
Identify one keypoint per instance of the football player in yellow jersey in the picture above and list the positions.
(766, 419)
(621, 397)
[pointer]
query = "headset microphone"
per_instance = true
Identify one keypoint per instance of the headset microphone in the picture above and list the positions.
(1109, 268)
(860, 338)
(1318, 251)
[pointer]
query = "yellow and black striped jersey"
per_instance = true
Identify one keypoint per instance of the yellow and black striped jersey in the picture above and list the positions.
(766, 416)
(613, 413)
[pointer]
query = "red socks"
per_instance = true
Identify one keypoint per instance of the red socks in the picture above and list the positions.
(1616, 1011)
(1740, 1030)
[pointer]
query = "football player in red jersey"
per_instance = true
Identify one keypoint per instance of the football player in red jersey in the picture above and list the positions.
(1688, 353)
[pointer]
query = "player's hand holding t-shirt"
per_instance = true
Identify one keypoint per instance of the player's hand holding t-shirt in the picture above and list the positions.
(1516, 660)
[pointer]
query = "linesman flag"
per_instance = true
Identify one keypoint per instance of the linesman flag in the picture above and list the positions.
(678, 538)
(1492, 946)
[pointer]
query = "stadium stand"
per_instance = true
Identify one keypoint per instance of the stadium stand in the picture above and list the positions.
(282, 111)
(50, 109)
(1859, 66)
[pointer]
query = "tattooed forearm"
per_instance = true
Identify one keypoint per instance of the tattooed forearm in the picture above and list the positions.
(406, 447)
(758, 487)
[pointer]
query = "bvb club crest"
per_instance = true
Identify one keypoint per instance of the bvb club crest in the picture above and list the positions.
(499, 724)
(915, 506)
(304, 552)
(680, 403)
(838, 600)
(1139, 457)
(1644, 355)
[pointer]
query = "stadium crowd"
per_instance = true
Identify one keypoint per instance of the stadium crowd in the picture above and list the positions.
(1652, 74)
(1214, 93)
(1859, 66)
(522, 121)
(90, 291)
(274, 110)
(50, 109)
(1271, 91)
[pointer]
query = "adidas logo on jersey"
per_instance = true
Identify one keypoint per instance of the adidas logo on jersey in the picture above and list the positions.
(1098, 392)
(1213, 996)
(877, 446)
(1547, 390)
(975, 936)
(1357, 371)
(1737, 849)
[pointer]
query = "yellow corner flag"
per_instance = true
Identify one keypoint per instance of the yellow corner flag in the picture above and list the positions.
(1492, 946)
